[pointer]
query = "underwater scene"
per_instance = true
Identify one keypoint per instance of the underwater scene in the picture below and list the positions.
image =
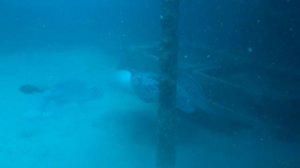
(82, 84)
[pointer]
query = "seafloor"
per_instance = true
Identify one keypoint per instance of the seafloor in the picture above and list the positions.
(117, 130)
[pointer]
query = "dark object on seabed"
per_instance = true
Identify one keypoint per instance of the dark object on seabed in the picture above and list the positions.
(62, 93)
(30, 89)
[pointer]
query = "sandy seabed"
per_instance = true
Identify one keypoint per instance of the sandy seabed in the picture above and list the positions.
(116, 131)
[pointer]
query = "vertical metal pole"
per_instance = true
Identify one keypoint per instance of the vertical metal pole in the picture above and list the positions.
(167, 113)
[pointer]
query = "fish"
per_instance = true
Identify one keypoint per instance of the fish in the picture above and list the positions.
(30, 89)
(192, 101)
(190, 98)
(189, 93)
(146, 86)
(63, 93)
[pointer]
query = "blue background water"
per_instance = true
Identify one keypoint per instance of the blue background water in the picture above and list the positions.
(244, 53)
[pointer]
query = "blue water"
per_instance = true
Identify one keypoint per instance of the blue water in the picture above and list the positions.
(241, 54)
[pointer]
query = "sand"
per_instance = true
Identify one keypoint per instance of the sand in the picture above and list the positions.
(116, 131)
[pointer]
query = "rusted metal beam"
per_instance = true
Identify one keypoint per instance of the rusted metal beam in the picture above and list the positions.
(167, 113)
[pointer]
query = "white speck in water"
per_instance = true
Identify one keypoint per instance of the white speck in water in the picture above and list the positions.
(258, 21)
(250, 50)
